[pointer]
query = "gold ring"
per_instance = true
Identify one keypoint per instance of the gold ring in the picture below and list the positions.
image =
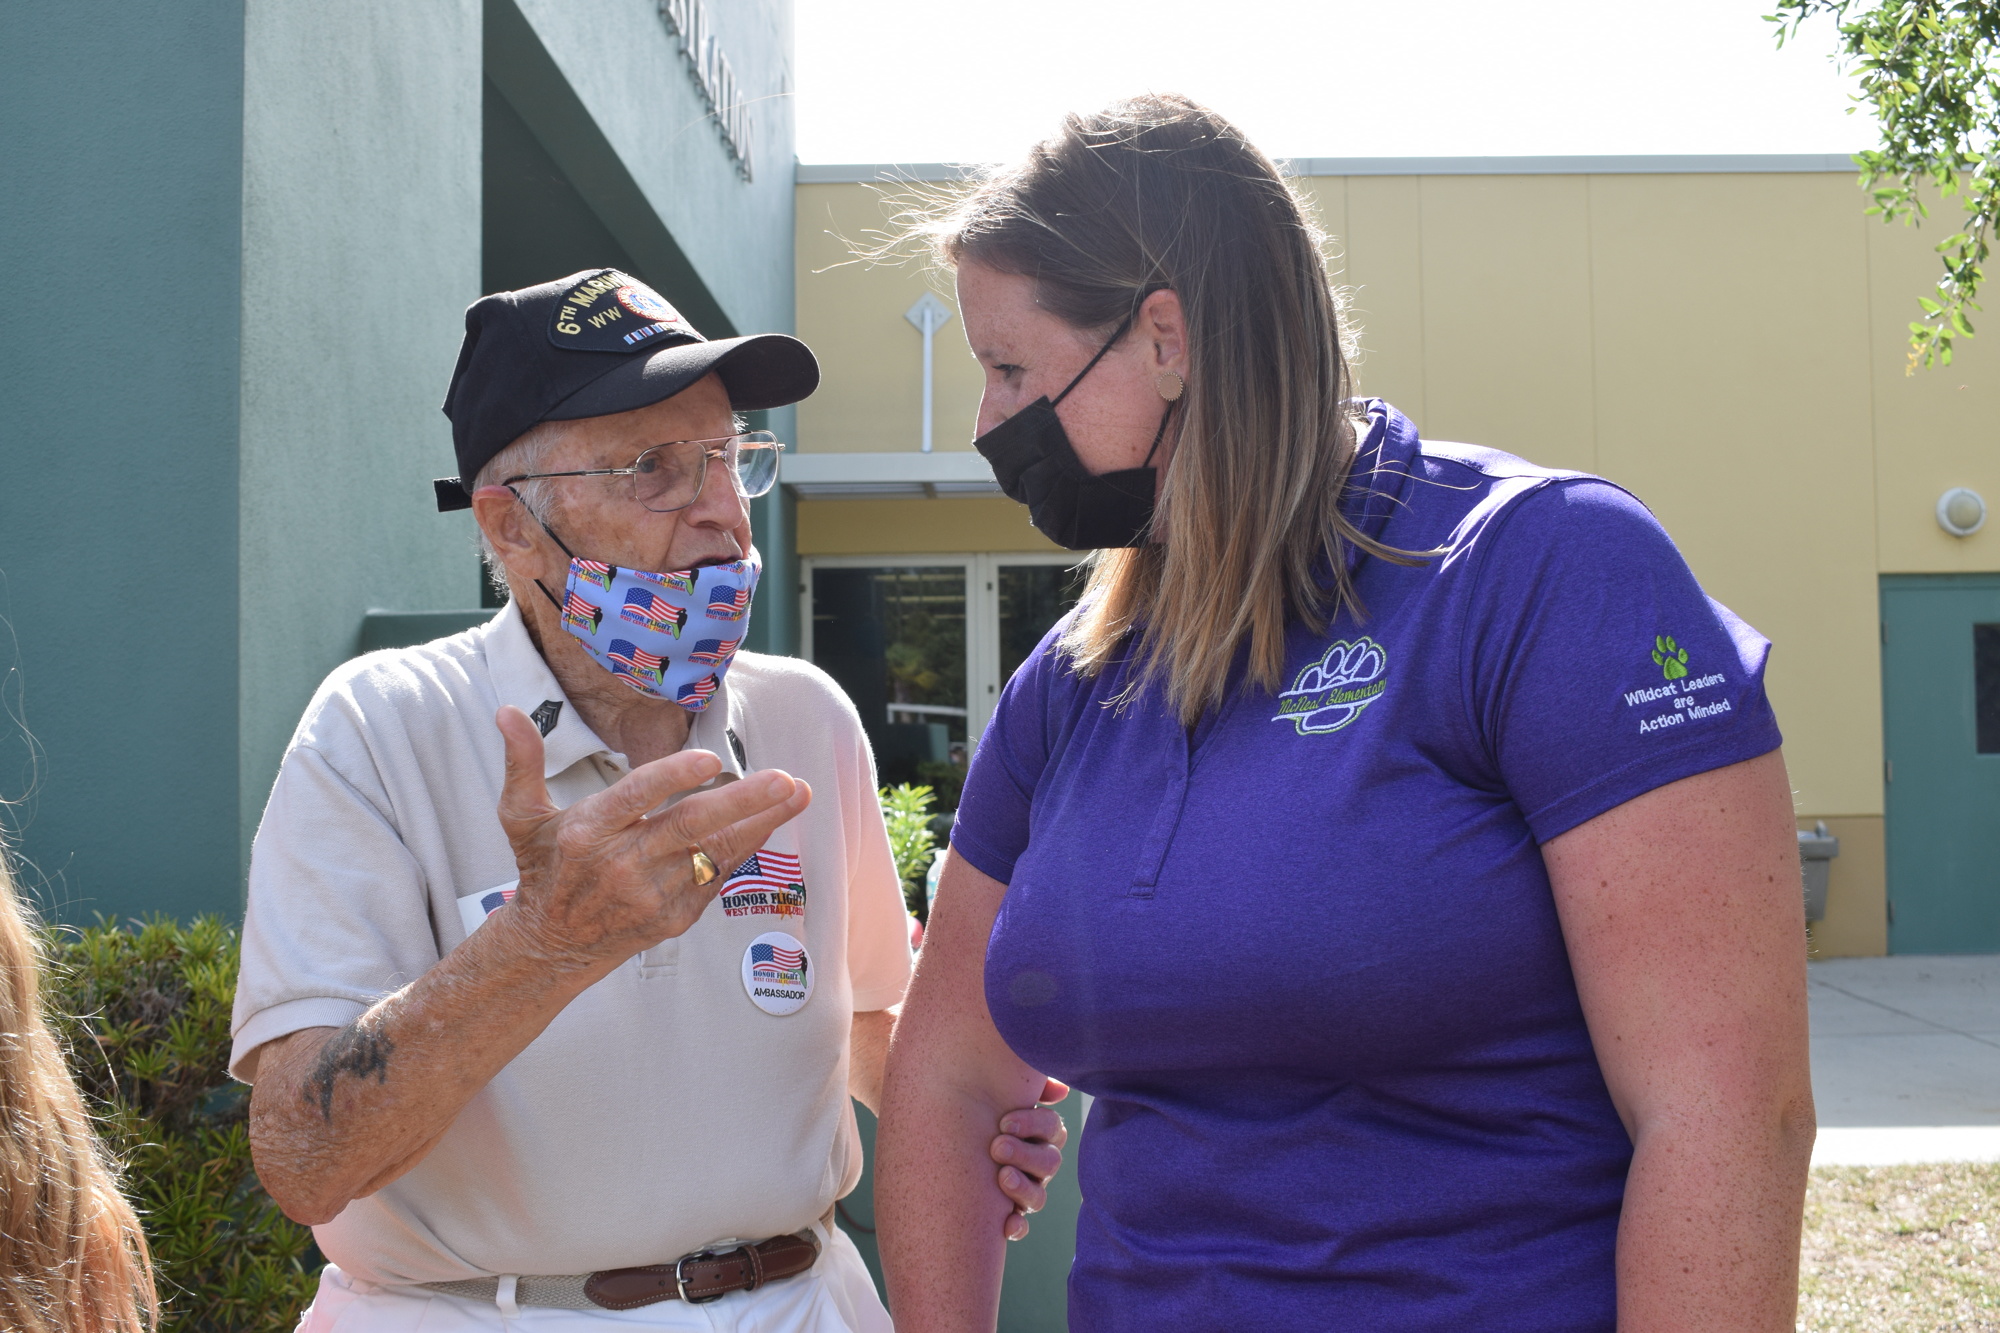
(704, 869)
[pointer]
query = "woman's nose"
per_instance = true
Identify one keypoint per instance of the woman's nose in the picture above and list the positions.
(992, 412)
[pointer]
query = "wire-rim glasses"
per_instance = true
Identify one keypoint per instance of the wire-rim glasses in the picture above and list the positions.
(670, 476)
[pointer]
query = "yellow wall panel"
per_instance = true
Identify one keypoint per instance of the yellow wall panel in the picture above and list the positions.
(1729, 346)
(1325, 199)
(1732, 363)
(1935, 429)
(1384, 258)
(1857, 897)
(916, 526)
(1506, 317)
(850, 312)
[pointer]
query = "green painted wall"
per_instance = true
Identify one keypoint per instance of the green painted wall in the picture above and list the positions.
(120, 225)
(245, 235)
(361, 226)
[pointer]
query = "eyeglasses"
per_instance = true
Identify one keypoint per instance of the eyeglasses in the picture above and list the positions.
(669, 476)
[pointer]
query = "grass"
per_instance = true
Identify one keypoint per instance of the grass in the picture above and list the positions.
(1895, 1248)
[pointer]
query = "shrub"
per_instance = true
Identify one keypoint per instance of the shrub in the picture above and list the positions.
(145, 1014)
(907, 810)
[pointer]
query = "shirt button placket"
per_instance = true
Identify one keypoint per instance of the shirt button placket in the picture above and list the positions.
(1166, 819)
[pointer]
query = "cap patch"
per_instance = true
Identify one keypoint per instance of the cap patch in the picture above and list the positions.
(611, 311)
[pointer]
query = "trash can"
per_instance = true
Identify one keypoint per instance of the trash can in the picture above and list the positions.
(1816, 852)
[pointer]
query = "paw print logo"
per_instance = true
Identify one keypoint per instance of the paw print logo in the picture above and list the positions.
(1670, 657)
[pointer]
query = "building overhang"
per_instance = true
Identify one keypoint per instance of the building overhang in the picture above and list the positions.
(820, 476)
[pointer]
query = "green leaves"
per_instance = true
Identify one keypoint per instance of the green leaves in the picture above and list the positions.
(907, 810)
(145, 1015)
(1928, 73)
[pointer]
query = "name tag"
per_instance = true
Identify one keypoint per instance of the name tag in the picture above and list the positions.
(474, 908)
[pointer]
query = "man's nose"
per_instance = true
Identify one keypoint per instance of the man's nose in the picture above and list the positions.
(719, 503)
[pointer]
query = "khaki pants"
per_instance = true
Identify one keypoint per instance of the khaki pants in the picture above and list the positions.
(834, 1296)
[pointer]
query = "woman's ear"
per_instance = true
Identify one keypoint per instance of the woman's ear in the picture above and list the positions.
(1162, 323)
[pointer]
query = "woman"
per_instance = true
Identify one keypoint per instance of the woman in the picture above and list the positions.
(72, 1257)
(1394, 842)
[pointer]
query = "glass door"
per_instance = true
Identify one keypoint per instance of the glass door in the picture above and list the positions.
(894, 637)
(1020, 597)
(923, 645)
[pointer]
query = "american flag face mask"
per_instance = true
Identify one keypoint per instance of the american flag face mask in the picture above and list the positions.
(670, 635)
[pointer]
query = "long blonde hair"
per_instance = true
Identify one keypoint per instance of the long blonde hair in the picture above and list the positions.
(72, 1256)
(1158, 192)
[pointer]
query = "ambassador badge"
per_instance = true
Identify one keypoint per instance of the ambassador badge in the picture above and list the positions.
(474, 908)
(777, 975)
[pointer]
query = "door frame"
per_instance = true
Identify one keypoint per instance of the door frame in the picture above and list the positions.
(1897, 827)
(982, 612)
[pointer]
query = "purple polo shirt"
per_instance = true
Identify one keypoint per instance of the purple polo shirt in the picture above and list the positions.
(1306, 957)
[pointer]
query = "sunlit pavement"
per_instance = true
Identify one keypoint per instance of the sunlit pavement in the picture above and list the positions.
(1906, 1059)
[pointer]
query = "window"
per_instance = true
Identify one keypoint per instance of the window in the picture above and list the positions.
(923, 645)
(1986, 686)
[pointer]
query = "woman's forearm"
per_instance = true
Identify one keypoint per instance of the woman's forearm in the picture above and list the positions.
(950, 1078)
(941, 1214)
(1709, 1235)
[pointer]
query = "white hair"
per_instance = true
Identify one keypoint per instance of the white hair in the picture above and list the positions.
(528, 453)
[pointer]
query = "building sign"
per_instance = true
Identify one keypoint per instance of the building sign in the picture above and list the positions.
(688, 20)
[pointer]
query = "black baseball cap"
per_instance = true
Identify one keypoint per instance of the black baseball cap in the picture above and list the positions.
(594, 343)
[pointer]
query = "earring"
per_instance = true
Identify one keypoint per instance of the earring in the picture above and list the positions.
(1172, 393)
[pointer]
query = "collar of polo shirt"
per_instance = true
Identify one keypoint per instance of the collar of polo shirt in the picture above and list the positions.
(522, 678)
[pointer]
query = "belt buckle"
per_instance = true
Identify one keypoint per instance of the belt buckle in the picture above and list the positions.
(680, 1275)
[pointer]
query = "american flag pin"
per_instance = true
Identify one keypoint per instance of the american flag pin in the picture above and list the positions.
(777, 974)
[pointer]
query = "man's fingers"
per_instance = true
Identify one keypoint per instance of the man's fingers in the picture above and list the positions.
(729, 824)
(1044, 1123)
(1016, 1227)
(1040, 1160)
(701, 814)
(1027, 1193)
(646, 788)
(524, 794)
(1053, 1091)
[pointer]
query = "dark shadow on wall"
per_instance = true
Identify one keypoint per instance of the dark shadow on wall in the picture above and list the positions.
(557, 199)
(558, 196)
(534, 225)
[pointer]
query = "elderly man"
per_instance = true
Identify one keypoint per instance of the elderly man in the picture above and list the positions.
(569, 936)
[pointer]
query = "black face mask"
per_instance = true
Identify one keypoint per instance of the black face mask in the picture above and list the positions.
(1035, 465)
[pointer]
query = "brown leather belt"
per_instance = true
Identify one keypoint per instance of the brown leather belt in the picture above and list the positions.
(697, 1278)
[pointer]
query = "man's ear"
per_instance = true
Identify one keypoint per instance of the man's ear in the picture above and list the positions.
(1162, 323)
(505, 522)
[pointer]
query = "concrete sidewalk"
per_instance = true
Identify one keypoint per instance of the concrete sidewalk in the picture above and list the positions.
(1906, 1059)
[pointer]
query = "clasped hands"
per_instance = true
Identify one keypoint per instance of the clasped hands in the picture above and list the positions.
(613, 875)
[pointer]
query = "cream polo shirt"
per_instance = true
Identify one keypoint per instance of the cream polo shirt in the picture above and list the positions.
(662, 1109)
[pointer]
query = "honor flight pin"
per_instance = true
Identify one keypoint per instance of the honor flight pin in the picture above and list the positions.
(777, 974)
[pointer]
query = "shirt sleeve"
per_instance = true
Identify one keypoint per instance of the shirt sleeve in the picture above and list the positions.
(992, 826)
(1595, 667)
(325, 933)
(878, 920)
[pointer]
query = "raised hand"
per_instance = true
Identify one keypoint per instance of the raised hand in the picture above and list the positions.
(604, 879)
